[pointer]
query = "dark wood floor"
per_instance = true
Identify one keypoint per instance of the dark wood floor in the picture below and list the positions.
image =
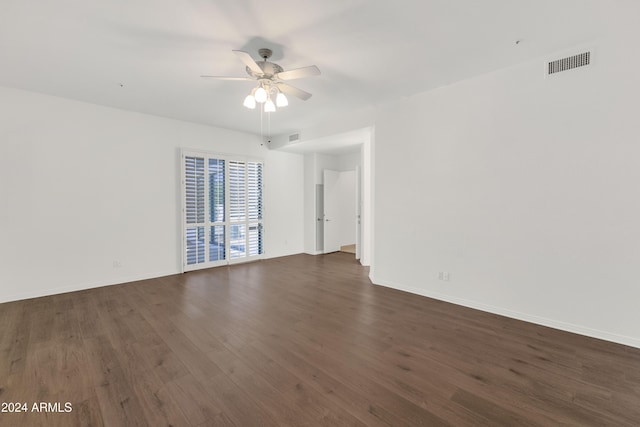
(298, 341)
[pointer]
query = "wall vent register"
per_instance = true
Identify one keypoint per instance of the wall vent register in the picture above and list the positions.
(569, 63)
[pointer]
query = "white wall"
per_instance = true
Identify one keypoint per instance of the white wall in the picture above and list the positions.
(525, 189)
(309, 203)
(349, 161)
(82, 186)
(284, 203)
(367, 172)
(322, 162)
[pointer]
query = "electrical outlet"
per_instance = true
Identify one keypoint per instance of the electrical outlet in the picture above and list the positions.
(445, 276)
(117, 264)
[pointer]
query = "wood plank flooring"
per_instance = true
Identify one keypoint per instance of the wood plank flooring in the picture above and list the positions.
(299, 341)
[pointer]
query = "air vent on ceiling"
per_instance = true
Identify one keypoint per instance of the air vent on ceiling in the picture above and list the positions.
(569, 63)
(294, 137)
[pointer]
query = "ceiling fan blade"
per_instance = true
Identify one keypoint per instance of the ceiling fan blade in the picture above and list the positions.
(299, 73)
(227, 78)
(248, 61)
(290, 90)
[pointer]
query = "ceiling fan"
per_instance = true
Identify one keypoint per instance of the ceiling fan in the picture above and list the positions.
(271, 80)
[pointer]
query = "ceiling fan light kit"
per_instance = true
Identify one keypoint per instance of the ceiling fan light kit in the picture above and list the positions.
(271, 79)
(250, 102)
(281, 100)
(269, 106)
(260, 94)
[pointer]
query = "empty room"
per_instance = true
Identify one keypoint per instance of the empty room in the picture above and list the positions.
(301, 213)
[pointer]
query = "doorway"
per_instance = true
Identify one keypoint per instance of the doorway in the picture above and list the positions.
(340, 205)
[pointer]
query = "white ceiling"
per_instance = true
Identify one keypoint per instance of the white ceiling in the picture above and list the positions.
(147, 55)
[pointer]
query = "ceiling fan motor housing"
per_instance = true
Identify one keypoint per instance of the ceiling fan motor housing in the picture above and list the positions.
(269, 69)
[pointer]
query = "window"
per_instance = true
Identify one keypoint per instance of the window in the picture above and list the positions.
(222, 210)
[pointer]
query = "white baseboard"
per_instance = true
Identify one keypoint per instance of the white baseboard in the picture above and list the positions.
(82, 286)
(313, 253)
(563, 326)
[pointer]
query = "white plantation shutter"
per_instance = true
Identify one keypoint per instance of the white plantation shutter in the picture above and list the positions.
(254, 190)
(195, 245)
(217, 236)
(222, 210)
(217, 243)
(194, 184)
(237, 191)
(254, 208)
(216, 190)
(194, 209)
(237, 210)
(238, 241)
(255, 239)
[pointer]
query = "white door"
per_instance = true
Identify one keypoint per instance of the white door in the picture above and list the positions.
(331, 211)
